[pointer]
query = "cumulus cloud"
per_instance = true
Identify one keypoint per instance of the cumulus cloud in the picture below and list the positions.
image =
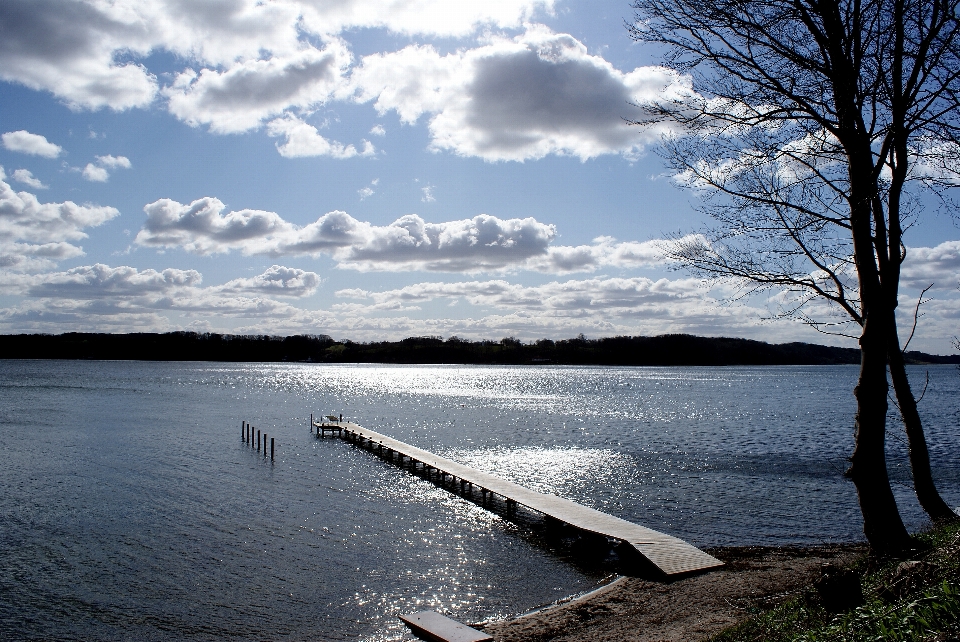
(70, 49)
(98, 173)
(249, 92)
(605, 251)
(201, 228)
(303, 139)
(27, 143)
(427, 17)
(481, 243)
(276, 281)
(938, 266)
(569, 297)
(478, 244)
(113, 162)
(99, 281)
(35, 234)
(95, 174)
(252, 63)
(517, 99)
(26, 177)
(100, 296)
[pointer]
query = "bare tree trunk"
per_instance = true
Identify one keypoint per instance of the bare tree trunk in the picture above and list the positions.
(927, 494)
(882, 524)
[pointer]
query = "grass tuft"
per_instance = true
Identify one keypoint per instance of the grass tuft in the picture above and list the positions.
(917, 601)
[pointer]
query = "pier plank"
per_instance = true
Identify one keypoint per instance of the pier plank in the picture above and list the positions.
(431, 625)
(671, 555)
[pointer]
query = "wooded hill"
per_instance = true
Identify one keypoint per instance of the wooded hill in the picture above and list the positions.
(664, 350)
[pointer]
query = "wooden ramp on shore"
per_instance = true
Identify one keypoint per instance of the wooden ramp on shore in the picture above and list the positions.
(671, 555)
(430, 625)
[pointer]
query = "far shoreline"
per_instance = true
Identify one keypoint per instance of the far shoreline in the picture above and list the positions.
(662, 351)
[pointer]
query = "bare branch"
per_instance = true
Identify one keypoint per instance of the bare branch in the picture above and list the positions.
(916, 316)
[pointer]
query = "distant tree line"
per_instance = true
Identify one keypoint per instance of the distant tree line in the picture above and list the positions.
(664, 350)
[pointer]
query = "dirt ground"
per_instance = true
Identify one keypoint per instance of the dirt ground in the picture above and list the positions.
(690, 609)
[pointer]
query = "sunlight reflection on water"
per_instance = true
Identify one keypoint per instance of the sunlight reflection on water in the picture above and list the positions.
(142, 515)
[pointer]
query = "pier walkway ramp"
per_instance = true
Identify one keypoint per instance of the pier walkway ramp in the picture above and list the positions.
(671, 555)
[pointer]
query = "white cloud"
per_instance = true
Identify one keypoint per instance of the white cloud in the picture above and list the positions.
(96, 174)
(621, 295)
(938, 266)
(201, 228)
(276, 281)
(605, 251)
(249, 92)
(100, 296)
(26, 177)
(101, 281)
(378, 130)
(537, 94)
(426, 17)
(428, 196)
(24, 141)
(368, 191)
(303, 139)
(35, 234)
(482, 243)
(113, 162)
(248, 63)
(70, 49)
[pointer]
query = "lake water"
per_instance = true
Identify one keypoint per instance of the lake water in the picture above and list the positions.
(132, 509)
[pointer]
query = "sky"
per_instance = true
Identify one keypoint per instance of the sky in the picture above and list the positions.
(365, 169)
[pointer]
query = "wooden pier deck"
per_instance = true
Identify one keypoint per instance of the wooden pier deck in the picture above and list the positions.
(671, 555)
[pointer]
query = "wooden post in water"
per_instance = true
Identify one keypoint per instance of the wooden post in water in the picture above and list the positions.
(258, 441)
(271, 449)
(311, 422)
(264, 445)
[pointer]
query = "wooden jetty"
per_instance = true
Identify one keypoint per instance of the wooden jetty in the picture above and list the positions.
(430, 625)
(671, 555)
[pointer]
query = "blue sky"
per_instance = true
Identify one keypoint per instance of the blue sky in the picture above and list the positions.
(368, 170)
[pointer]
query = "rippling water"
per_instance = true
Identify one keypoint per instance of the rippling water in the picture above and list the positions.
(133, 510)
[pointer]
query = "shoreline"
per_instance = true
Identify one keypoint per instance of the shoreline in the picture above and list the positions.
(696, 607)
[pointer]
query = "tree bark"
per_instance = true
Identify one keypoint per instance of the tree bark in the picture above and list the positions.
(926, 490)
(882, 524)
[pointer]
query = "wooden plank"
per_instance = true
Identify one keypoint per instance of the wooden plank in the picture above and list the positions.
(670, 554)
(430, 625)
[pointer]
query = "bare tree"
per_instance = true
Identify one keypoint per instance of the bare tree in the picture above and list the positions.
(807, 126)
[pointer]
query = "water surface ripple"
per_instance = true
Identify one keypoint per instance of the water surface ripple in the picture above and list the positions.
(133, 510)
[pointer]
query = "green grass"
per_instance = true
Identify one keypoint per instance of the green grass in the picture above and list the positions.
(928, 612)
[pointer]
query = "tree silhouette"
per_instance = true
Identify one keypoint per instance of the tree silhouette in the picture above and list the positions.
(809, 128)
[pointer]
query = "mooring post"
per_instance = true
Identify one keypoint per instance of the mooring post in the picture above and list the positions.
(264, 444)
(311, 422)
(271, 449)
(258, 441)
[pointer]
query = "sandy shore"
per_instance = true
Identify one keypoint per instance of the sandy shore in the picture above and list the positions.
(634, 609)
